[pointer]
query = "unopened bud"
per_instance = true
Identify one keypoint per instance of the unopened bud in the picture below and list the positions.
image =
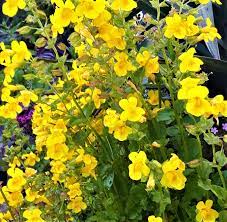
(150, 182)
(155, 144)
(194, 163)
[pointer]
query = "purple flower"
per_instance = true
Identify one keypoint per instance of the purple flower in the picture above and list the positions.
(224, 126)
(24, 120)
(214, 130)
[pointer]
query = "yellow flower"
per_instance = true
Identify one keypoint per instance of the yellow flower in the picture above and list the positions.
(191, 28)
(5, 55)
(29, 172)
(224, 109)
(197, 105)
(10, 7)
(174, 180)
(30, 159)
(204, 2)
(154, 219)
(15, 199)
(59, 127)
(187, 84)
(173, 164)
(16, 162)
(153, 97)
(91, 9)
(121, 131)
(51, 140)
(57, 151)
(11, 109)
(64, 14)
(175, 26)
(77, 205)
(21, 52)
(57, 167)
(102, 19)
(74, 190)
(31, 195)
(131, 111)
(189, 62)
(97, 98)
(125, 5)
(122, 66)
(79, 74)
(173, 176)
(33, 215)
(42, 199)
(6, 216)
(142, 58)
(208, 33)
(112, 35)
(217, 105)
(17, 181)
(138, 167)
(90, 165)
(111, 118)
(205, 213)
(26, 97)
(152, 67)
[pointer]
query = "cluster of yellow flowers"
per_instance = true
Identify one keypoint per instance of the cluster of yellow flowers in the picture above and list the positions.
(172, 177)
(198, 103)
(149, 63)
(12, 59)
(172, 170)
(117, 122)
(204, 213)
(13, 192)
(180, 27)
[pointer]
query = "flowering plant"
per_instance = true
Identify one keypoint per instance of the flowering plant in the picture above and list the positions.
(108, 143)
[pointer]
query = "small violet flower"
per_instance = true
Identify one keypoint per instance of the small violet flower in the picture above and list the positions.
(224, 126)
(214, 130)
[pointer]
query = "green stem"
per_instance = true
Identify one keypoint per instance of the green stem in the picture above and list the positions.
(200, 147)
(218, 167)
(179, 124)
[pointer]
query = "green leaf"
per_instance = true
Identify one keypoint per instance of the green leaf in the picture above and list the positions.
(77, 120)
(161, 197)
(166, 115)
(205, 169)
(108, 180)
(137, 201)
(194, 147)
(88, 109)
(205, 184)
(3, 165)
(221, 158)
(223, 216)
(138, 76)
(192, 190)
(172, 131)
(211, 139)
(221, 194)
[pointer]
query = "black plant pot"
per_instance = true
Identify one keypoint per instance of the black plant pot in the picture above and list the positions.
(217, 70)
